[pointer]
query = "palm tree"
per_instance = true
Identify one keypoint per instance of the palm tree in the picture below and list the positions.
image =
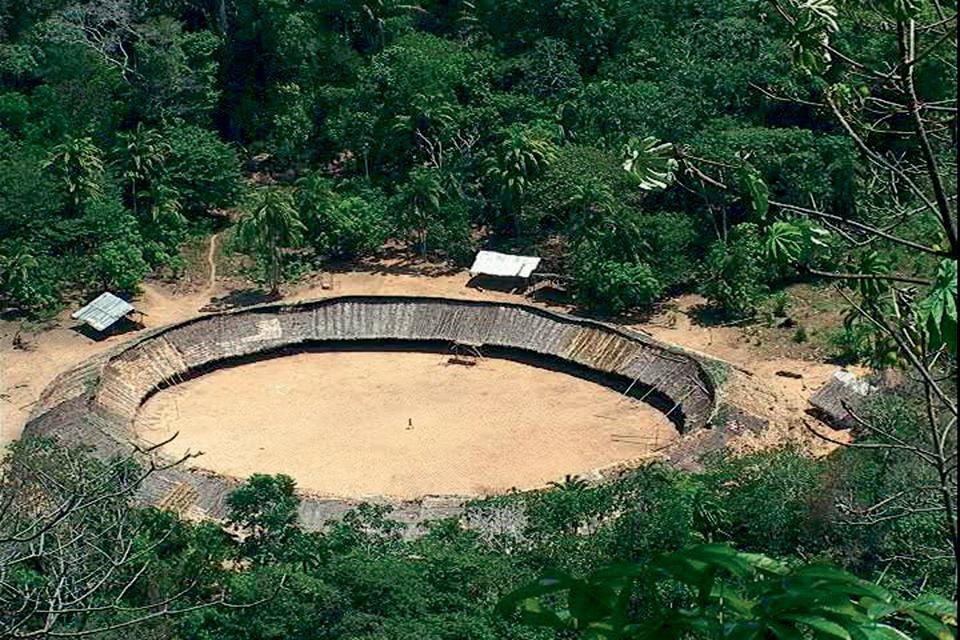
(143, 153)
(523, 154)
(271, 225)
(78, 163)
(421, 197)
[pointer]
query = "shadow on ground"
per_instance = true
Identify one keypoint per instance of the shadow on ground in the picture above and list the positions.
(240, 298)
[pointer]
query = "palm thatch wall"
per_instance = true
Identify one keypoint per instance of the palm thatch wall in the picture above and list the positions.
(95, 403)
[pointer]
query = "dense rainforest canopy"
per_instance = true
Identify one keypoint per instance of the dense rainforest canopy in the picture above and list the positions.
(644, 148)
(126, 126)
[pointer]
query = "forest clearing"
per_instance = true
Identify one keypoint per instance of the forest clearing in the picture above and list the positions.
(478, 319)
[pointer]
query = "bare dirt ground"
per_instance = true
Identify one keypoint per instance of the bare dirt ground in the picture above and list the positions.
(757, 382)
(57, 346)
(402, 424)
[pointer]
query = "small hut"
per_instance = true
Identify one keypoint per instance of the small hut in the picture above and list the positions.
(503, 268)
(103, 312)
(844, 391)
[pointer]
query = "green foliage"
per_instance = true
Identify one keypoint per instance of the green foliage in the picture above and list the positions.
(755, 190)
(524, 153)
(729, 594)
(272, 224)
(783, 243)
(201, 168)
(785, 482)
(851, 343)
(143, 155)
(865, 477)
(347, 223)
(178, 70)
(550, 71)
(735, 271)
(672, 242)
(419, 203)
(78, 167)
(812, 26)
(264, 510)
(28, 278)
(613, 286)
(573, 170)
(516, 108)
(786, 164)
(937, 312)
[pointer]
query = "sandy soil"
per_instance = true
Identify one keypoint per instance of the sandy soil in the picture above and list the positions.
(401, 424)
(756, 383)
(57, 346)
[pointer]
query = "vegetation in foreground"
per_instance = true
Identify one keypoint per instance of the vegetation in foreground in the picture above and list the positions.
(76, 560)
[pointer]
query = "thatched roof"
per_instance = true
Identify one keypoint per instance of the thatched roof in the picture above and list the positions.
(96, 402)
(844, 390)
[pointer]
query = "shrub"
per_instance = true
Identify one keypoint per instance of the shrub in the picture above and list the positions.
(767, 498)
(119, 265)
(549, 71)
(734, 271)
(343, 219)
(612, 286)
(797, 164)
(573, 169)
(203, 169)
(29, 278)
(673, 241)
(347, 225)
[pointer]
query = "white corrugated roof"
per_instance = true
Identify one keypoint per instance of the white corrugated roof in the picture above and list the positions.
(103, 311)
(492, 263)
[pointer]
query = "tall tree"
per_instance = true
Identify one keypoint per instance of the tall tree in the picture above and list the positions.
(78, 164)
(271, 225)
(421, 201)
(143, 153)
(523, 154)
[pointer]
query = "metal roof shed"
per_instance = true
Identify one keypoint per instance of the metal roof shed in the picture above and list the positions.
(503, 265)
(104, 310)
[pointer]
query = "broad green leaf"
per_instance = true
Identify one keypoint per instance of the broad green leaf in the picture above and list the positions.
(785, 632)
(820, 625)
(651, 163)
(551, 583)
(937, 312)
(783, 244)
(936, 606)
(755, 192)
(590, 602)
(886, 632)
(931, 626)
(824, 11)
(533, 613)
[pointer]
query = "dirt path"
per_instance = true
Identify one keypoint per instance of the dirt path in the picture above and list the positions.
(756, 384)
(212, 263)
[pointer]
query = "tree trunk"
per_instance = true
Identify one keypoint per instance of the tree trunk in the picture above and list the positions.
(274, 275)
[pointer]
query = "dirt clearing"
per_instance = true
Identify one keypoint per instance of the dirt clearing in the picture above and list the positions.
(402, 424)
